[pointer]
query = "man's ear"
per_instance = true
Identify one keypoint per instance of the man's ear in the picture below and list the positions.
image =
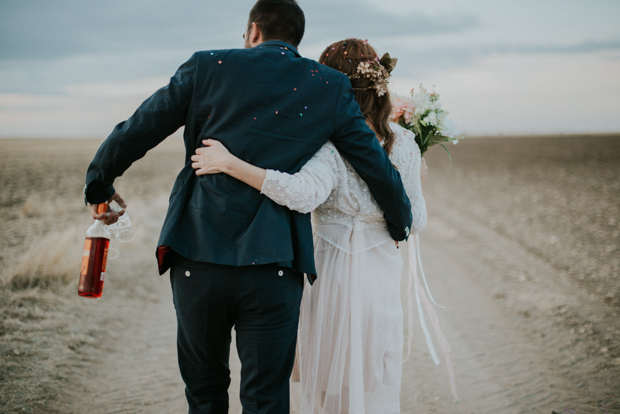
(255, 35)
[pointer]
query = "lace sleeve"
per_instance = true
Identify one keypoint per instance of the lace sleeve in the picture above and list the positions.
(307, 189)
(408, 160)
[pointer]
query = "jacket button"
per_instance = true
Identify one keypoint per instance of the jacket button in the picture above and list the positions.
(187, 273)
(280, 273)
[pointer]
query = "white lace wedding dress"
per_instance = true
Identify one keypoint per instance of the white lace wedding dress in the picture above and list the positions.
(350, 341)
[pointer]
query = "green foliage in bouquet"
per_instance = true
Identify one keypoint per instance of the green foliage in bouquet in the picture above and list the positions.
(422, 114)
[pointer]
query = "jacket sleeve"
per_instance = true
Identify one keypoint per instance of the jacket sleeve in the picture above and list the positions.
(307, 189)
(359, 145)
(157, 118)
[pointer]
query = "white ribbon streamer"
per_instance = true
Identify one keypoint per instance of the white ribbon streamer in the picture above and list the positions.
(421, 297)
(417, 239)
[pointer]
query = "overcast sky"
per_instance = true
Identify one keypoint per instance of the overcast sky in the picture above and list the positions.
(72, 68)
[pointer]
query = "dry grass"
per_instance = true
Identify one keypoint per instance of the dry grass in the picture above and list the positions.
(48, 333)
(49, 261)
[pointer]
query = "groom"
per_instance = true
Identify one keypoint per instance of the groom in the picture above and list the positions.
(237, 259)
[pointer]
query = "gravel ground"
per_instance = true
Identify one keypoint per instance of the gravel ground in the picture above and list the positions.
(559, 197)
(521, 247)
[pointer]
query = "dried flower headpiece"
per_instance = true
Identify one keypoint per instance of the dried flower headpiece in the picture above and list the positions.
(378, 71)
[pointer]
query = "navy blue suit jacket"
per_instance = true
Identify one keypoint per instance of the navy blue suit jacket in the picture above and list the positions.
(271, 107)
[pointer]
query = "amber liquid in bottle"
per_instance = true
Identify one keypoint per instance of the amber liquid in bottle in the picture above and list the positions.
(94, 259)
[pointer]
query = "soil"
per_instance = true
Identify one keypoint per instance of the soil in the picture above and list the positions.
(521, 247)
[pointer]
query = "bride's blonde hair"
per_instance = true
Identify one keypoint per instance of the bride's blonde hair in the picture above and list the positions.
(345, 56)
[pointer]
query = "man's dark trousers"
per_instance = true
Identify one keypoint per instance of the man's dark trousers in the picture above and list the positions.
(262, 303)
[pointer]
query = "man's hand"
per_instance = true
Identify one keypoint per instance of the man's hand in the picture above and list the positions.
(110, 216)
(213, 158)
(423, 170)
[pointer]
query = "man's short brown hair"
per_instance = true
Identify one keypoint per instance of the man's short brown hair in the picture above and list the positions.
(279, 20)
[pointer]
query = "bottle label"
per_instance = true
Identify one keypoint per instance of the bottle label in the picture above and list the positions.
(85, 257)
(105, 260)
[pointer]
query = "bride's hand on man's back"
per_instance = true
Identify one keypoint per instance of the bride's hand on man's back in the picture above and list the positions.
(213, 158)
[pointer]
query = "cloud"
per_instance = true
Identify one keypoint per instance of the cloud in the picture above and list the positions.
(46, 45)
(369, 23)
(80, 110)
(591, 46)
(43, 30)
(40, 30)
(419, 60)
(78, 67)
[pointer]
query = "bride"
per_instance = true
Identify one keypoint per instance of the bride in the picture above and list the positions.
(351, 325)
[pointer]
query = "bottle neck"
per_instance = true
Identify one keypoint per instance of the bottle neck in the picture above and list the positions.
(98, 229)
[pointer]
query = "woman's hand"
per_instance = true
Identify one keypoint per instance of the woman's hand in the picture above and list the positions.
(213, 158)
(423, 170)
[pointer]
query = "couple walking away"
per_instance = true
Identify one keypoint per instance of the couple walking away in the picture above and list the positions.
(271, 136)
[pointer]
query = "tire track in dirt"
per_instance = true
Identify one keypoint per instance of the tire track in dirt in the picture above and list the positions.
(513, 348)
(513, 321)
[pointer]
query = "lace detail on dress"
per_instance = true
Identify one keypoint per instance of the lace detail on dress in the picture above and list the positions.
(407, 158)
(305, 190)
(329, 186)
(354, 203)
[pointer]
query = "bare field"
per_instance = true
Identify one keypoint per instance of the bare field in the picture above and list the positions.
(557, 196)
(522, 246)
(48, 335)
(523, 241)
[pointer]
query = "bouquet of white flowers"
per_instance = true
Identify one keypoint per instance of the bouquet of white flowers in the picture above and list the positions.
(422, 115)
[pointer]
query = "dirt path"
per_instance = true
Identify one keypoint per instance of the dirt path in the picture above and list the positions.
(524, 263)
(134, 370)
(524, 339)
(139, 373)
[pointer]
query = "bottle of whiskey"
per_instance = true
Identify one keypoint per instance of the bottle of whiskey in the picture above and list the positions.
(92, 272)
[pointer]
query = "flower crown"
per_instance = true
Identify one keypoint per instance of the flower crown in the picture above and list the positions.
(378, 71)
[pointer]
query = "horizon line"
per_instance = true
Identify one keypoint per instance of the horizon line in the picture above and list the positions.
(463, 136)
